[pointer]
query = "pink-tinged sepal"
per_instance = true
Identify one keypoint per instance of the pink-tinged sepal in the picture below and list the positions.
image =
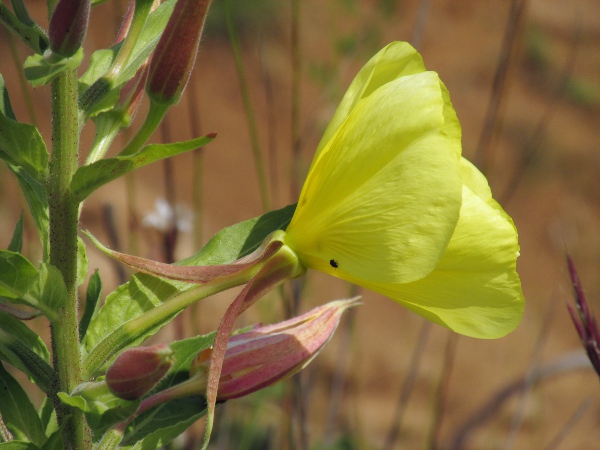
(267, 354)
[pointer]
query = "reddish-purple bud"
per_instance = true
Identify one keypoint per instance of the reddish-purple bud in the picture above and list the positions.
(68, 26)
(173, 59)
(137, 370)
(265, 355)
(584, 320)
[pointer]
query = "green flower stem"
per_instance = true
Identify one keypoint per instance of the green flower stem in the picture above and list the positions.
(111, 439)
(252, 128)
(155, 318)
(187, 388)
(64, 214)
(155, 115)
(142, 10)
(107, 129)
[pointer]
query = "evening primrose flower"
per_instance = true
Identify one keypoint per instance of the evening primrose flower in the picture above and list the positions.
(390, 204)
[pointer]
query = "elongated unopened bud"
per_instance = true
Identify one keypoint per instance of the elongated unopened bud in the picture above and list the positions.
(175, 54)
(265, 355)
(68, 26)
(137, 370)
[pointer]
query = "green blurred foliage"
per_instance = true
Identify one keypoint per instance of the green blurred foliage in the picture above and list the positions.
(248, 16)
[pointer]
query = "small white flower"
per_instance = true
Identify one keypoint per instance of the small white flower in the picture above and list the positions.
(164, 216)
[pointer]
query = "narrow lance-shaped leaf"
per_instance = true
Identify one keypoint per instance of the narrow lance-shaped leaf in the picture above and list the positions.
(52, 289)
(20, 144)
(91, 302)
(16, 243)
(17, 411)
(89, 178)
(21, 282)
(26, 351)
(35, 195)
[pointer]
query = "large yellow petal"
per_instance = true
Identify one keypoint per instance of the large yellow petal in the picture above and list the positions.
(383, 197)
(395, 60)
(475, 290)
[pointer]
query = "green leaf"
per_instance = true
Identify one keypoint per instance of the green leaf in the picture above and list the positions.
(16, 243)
(42, 69)
(18, 277)
(89, 178)
(102, 408)
(47, 414)
(145, 292)
(5, 106)
(161, 425)
(21, 282)
(35, 194)
(142, 293)
(52, 289)
(18, 413)
(20, 143)
(241, 239)
(55, 441)
(26, 351)
(91, 302)
(100, 62)
(18, 445)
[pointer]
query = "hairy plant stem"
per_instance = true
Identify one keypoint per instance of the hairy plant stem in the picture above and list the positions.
(64, 217)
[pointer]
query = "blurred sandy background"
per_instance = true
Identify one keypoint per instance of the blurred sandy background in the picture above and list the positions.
(543, 164)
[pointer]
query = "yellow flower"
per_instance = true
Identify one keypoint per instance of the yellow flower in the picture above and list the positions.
(390, 204)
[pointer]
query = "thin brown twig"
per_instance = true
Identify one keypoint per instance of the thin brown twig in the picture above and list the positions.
(493, 119)
(195, 128)
(295, 116)
(441, 396)
(531, 148)
(576, 360)
(108, 217)
(409, 383)
(419, 29)
(519, 413)
(338, 381)
(271, 124)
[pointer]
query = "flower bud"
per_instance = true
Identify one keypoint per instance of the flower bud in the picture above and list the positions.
(137, 370)
(68, 26)
(175, 54)
(265, 355)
